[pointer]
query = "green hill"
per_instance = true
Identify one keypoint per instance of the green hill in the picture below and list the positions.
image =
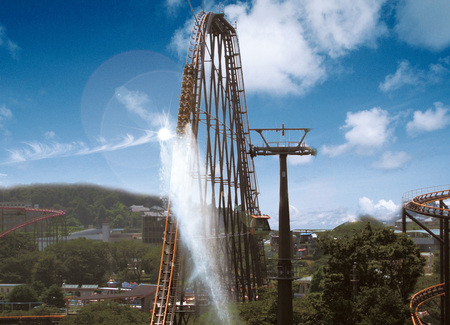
(84, 204)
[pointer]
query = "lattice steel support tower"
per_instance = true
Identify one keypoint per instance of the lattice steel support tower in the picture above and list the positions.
(212, 110)
(283, 148)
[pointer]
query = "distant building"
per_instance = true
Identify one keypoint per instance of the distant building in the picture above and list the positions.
(104, 234)
(6, 288)
(139, 208)
(140, 296)
(153, 225)
(16, 204)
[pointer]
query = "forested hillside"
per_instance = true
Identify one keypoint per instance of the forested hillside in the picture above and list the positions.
(84, 204)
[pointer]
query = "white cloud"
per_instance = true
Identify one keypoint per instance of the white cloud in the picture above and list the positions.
(430, 120)
(173, 3)
(320, 219)
(8, 44)
(368, 130)
(285, 44)
(134, 101)
(382, 210)
(406, 75)
(424, 23)
(38, 151)
(49, 135)
(343, 25)
(5, 114)
(391, 160)
(299, 160)
(276, 57)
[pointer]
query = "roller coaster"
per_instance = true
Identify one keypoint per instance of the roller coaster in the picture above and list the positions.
(212, 110)
(431, 202)
(47, 226)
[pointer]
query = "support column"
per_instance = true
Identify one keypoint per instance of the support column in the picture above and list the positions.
(441, 269)
(403, 220)
(284, 263)
(446, 273)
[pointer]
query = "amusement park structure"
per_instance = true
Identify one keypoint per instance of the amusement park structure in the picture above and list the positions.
(47, 226)
(283, 146)
(212, 110)
(432, 202)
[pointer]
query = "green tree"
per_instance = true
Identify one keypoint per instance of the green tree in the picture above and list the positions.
(151, 263)
(263, 311)
(83, 261)
(54, 296)
(23, 293)
(106, 313)
(380, 306)
(18, 253)
(48, 269)
(316, 282)
(310, 310)
(16, 243)
(128, 257)
(383, 259)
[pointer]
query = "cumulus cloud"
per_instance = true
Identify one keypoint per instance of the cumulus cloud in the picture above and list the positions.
(275, 54)
(337, 27)
(390, 160)
(382, 210)
(406, 75)
(8, 44)
(285, 44)
(326, 219)
(299, 160)
(430, 120)
(424, 23)
(368, 130)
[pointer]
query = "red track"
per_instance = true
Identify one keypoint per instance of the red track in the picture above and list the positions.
(49, 214)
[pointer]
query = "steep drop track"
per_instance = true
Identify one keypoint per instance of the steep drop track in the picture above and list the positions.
(213, 108)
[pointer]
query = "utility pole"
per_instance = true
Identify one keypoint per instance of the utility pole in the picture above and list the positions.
(283, 147)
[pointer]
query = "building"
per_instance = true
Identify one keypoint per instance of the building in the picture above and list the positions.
(6, 288)
(140, 297)
(105, 234)
(153, 225)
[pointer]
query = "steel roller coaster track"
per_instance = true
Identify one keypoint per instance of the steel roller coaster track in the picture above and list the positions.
(213, 110)
(44, 223)
(432, 204)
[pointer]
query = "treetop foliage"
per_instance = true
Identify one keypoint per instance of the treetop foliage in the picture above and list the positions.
(89, 204)
(106, 313)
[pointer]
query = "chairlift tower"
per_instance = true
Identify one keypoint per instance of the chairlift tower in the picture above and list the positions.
(283, 146)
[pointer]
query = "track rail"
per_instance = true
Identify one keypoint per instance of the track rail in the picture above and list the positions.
(423, 296)
(430, 204)
(423, 204)
(212, 110)
(49, 214)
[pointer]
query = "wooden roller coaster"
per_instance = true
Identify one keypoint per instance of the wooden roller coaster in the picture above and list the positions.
(212, 110)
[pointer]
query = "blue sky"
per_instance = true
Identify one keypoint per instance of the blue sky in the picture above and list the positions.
(86, 85)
